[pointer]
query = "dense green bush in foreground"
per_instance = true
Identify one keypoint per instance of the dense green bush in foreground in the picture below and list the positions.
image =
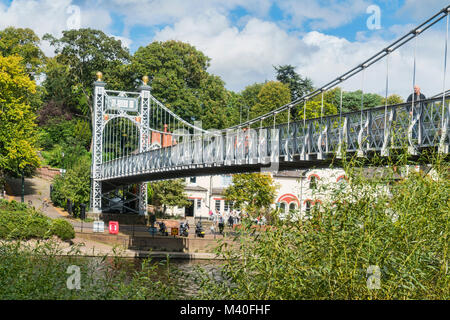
(367, 242)
(17, 221)
(40, 272)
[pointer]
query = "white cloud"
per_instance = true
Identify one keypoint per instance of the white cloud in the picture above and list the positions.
(239, 57)
(320, 16)
(159, 12)
(49, 16)
(242, 57)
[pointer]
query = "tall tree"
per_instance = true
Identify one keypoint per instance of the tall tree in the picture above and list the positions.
(252, 192)
(18, 139)
(168, 193)
(85, 52)
(249, 100)
(24, 43)
(272, 95)
(176, 71)
(298, 85)
(213, 97)
(351, 101)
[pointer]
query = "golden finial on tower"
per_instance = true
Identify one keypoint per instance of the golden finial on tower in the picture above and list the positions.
(99, 76)
(145, 80)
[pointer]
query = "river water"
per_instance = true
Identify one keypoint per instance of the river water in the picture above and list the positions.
(184, 270)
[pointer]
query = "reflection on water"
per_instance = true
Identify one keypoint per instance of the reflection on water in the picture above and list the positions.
(184, 271)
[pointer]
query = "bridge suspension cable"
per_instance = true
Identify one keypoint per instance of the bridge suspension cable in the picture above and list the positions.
(352, 72)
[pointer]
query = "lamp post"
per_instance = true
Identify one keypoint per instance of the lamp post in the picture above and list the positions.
(62, 163)
(22, 196)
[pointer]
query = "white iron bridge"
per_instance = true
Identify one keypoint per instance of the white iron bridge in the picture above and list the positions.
(137, 139)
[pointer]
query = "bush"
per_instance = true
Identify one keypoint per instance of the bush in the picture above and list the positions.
(37, 226)
(401, 231)
(63, 229)
(74, 185)
(17, 221)
(39, 272)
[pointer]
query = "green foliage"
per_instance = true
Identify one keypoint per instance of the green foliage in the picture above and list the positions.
(63, 229)
(314, 109)
(176, 71)
(24, 43)
(168, 193)
(214, 97)
(392, 99)
(85, 52)
(298, 85)
(403, 230)
(18, 141)
(17, 221)
(179, 79)
(74, 185)
(40, 272)
(252, 192)
(73, 132)
(250, 94)
(273, 95)
(351, 101)
(58, 87)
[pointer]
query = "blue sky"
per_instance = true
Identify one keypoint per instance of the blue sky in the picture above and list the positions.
(246, 38)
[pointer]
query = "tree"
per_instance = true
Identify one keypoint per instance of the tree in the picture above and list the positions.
(177, 72)
(60, 96)
(213, 96)
(250, 94)
(392, 99)
(272, 95)
(25, 43)
(235, 104)
(18, 139)
(314, 109)
(168, 193)
(85, 52)
(351, 101)
(252, 192)
(298, 85)
(74, 185)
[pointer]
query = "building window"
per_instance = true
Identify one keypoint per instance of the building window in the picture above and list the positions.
(308, 206)
(313, 182)
(282, 207)
(227, 206)
(199, 203)
(292, 206)
(218, 205)
(193, 180)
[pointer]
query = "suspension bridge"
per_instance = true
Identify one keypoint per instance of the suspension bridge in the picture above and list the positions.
(137, 139)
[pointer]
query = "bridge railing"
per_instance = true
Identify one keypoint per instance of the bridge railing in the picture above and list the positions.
(424, 124)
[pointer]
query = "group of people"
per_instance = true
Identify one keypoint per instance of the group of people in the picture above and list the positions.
(220, 219)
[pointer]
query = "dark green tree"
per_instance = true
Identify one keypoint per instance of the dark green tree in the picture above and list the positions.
(298, 85)
(178, 76)
(351, 101)
(85, 52)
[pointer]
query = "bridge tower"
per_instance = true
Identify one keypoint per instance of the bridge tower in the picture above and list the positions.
(107, 106)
